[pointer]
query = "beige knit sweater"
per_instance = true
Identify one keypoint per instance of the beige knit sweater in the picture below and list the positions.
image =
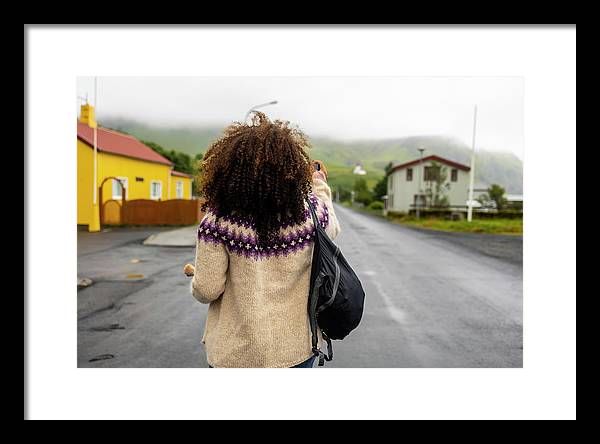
(258, 296)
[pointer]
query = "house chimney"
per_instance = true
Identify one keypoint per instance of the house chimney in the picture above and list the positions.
(88, 115)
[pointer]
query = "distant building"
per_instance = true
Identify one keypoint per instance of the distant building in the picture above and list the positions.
(514, 200)
(405, 191)
(478, 191)
(358, 169)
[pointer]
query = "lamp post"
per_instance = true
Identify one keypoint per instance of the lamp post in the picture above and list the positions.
(254, 108)
(420, 182)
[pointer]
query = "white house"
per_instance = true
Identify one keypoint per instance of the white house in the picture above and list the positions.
(409, 182)
(358, 169)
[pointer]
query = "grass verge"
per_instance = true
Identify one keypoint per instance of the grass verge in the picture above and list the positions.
(487, 226)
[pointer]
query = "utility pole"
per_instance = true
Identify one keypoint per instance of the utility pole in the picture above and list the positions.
(94, 224)
(419, 197)
(95, 142)
(472, 176)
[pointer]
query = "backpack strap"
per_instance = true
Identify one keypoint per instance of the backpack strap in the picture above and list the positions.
(316, 280)
(329, 355)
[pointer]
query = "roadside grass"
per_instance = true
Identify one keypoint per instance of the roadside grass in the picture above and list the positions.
(485, 226)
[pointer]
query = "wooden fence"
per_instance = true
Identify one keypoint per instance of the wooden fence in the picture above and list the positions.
(111, 212)
(154, 212)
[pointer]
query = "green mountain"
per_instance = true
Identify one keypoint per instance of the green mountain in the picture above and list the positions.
(503, 168)
(192, 140)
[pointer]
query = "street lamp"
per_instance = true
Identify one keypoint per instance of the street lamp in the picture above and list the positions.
(254, 108)
(419, 197)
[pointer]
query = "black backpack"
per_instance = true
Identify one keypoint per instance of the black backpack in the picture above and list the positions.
(336, 298)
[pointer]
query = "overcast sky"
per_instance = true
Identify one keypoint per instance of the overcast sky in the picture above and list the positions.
(346, 108)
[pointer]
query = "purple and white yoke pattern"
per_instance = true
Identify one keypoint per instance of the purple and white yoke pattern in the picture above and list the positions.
(240, 238)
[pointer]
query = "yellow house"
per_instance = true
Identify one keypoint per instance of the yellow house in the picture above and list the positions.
(143, 173)
(181, 185)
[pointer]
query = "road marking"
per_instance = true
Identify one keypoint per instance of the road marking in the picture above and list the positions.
(395, 313)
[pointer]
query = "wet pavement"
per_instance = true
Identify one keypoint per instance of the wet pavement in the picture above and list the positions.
(433, 300)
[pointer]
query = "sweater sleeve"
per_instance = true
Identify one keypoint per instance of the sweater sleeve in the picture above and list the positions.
(210, 274)
(323, 192)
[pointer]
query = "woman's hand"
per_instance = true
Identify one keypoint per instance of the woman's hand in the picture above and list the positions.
(188, 270)
(320, 173)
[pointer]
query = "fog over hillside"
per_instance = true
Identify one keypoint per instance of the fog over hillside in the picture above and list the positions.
(503, 168)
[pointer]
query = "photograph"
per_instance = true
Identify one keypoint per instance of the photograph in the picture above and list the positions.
(299, 222)
(390, 206)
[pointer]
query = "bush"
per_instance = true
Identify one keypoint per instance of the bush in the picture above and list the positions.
(503, 214)
(363, 197)
(376, 205)
(451, 214)
(438, 213)
(396, 214)
(514, 206)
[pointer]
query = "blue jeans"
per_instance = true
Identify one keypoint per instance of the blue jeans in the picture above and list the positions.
(306, 364)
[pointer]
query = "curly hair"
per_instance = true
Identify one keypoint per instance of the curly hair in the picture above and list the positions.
(259, 173)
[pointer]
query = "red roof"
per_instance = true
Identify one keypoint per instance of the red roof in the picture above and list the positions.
(435, 158)
(180, 174)
(120, 144)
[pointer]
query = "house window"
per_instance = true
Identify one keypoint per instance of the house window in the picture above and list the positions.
(155, 189)
(391, 182)
(179, 189)
(191, 189)
(431, 173)
(116, 188)
(454, 175)
(409, 174)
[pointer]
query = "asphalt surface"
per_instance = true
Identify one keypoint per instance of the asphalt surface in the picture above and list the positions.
(109, 238)
(433, 300)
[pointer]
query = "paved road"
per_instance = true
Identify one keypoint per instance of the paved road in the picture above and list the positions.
(109, 238)
(433, 300)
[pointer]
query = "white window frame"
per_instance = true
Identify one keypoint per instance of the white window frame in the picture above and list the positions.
(125, 182)
(179, 189)
(159, 182)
